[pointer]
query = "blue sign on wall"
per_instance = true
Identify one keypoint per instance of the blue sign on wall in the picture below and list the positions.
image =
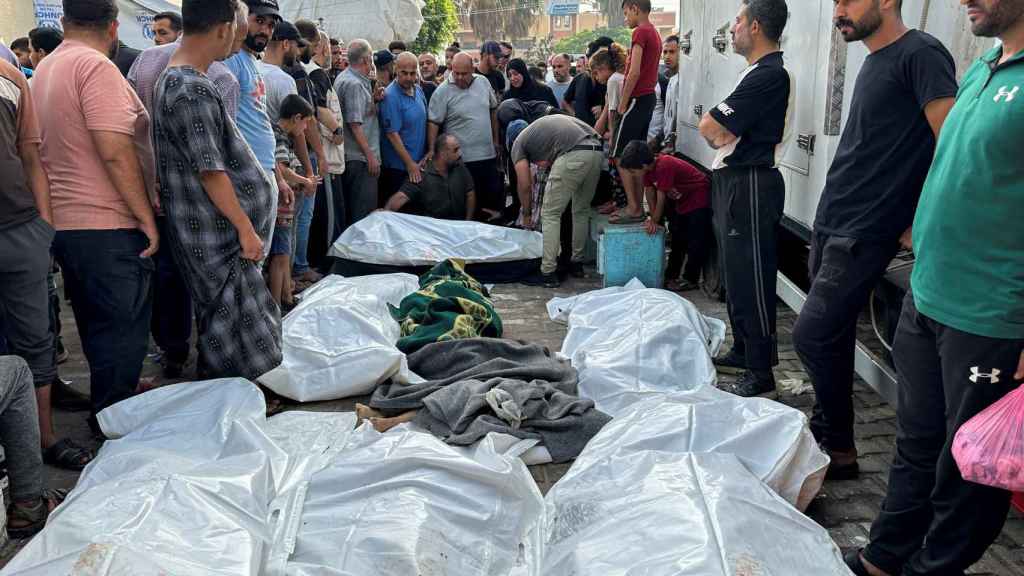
(563, 7)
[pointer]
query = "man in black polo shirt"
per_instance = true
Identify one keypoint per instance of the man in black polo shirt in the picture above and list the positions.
(490, 55)
(902, 96)
(748, 193)
(446, 191)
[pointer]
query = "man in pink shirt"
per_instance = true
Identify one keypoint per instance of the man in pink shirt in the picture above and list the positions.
(97, 153)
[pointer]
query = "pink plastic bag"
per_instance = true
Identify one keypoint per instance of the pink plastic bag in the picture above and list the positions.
(989, 448)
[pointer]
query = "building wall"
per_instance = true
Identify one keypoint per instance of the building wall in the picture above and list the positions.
(17, 17)
(557, 27)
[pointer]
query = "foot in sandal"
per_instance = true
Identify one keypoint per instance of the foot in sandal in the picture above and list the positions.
(68, 455)
(26, 519)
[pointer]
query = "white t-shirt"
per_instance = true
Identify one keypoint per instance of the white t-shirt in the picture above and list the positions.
(615, 83)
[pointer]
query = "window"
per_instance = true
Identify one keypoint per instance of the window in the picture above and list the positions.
(562, 22)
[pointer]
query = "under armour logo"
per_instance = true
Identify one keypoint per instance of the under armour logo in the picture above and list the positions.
(725, 109)
(1005, 94)
(977, 374)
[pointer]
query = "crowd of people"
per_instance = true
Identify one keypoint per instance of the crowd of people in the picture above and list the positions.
(201, 181)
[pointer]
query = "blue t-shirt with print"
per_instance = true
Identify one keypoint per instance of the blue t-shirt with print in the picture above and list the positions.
(252, 117)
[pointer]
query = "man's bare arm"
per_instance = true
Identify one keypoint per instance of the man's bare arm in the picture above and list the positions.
(117, 151)
(636, 57)
(714, 133)
(37, 181)
(470, 204)
(525, 188)
(397, 201)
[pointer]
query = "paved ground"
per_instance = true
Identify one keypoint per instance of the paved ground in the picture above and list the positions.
(844, 508)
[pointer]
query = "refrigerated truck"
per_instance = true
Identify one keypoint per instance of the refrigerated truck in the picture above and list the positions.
(825, 68)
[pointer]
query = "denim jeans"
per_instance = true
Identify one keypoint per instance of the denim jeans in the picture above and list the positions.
(303, 220)
(109, 285)
(19, 429)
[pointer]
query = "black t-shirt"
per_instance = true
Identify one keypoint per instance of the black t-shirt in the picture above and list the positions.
(497, 81)
(583, 93)
(438, 196)
(428, 89)
(887, 146)
(312, 86)
(756, 113)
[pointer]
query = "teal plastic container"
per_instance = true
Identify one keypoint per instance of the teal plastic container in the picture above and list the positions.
(626, 251)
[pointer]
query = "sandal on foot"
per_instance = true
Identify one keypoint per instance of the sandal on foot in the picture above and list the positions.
(34, 517)
(855, 564)
(621, 217)
(68, 455)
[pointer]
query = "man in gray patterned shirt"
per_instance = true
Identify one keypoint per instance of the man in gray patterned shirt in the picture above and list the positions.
(218, 202)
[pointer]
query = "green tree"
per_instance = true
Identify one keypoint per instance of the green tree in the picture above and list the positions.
(502, 19)
(577, 43)
(440, 23)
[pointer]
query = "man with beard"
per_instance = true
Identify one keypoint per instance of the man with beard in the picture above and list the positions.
(218, 200)
(252, 118)
(560, 78)
(339, 61)
(98, 157)
(749, 131)
(670, 56)
(166, 28)
(446, 189)
(428, 74)
(403, 120)
(172, 306)
(903, 93)
(490, 60)
(958, 347)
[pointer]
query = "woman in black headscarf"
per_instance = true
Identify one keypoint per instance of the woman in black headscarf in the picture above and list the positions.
(524, 88)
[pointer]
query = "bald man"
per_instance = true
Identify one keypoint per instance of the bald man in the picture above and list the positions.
(428, 75)
(403, 120)
(465, 106)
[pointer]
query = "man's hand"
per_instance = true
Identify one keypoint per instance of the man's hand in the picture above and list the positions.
(378, 94)
(252, 246)
(623, 107)
(321, 171)
(650, 226)
(527, 216)
(427, 159)
(596, 110)
(310, 186)
(149, 229)
(907, 239)
(373, 165)
(286, 193)
(1020, 368)
(415, 176)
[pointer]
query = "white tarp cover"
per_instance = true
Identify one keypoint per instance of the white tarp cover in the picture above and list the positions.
(651, 512)
(396, 239)
(405, 503)
(629, 344)
(340, 340)
(135, 18)
(184, 488)
(378, 21)
(771, 439)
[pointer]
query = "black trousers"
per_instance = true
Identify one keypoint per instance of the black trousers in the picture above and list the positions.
(109, 285)
(691, 233)
(171, 323)
(328, 222)
(747, 203)
(932, 521)
(488, 184)
(390, 182)
(844, 271)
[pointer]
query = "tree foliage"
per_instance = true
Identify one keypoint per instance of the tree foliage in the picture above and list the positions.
(502, 19)
(440, 23)
(577, 43)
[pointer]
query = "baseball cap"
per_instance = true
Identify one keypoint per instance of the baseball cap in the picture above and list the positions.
(491, 47)
(287, 31)
(383, 58)
(264, 8)
(515, 128)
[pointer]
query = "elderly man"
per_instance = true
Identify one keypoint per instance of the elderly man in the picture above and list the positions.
(172, 305)
(362, 133)
(466, 106)
(97, 153)
(446, 189)
(218, 202)
(573, 153)
(428, 75)
(166, 28)
(559, 77)
(403, 118)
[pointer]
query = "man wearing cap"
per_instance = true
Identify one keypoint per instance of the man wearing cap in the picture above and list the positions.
(362, 133)
(466, 106)
(384, 62)
(490, 59)
(252, 118)
(573, 152)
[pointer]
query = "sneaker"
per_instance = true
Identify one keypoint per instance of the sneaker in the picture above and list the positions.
(550, 281)
(731, 363)
(836, 471)
(750, 385)
(576, 270)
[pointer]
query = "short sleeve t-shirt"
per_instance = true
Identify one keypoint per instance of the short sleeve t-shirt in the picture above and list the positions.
(82, 91)
(438, 196)
(646, 36)
(684, 183)
(550, 137)
(968, 240)
(357, 102)
(18, 126)
(467, 115)
(584, 94)
(407, 116)
(615, 83)
(887, 146)
(253, 120)
(496, 80)
(279, 85)
(757, 113)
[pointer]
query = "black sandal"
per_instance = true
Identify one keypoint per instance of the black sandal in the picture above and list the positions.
(68, 455)
(855, 564)
(35, 516)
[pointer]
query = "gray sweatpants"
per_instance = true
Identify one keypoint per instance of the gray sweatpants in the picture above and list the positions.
(19, 430)
(24, 296)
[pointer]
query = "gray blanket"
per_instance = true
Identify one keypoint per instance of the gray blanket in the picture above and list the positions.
(470, 382)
